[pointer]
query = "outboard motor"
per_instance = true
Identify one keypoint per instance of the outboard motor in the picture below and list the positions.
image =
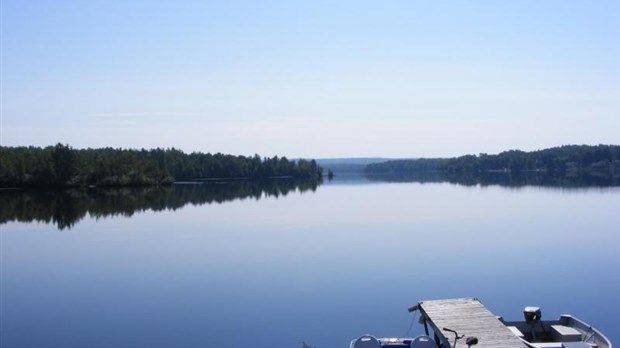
(532, 317)
(532, 314)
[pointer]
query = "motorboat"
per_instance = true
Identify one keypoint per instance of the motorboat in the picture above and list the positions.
(565, 332)
(466, 323)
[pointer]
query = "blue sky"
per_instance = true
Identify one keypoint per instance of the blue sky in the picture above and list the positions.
(311, 78)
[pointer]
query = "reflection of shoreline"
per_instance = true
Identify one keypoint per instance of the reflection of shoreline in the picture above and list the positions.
(66, 207)
(505, 179)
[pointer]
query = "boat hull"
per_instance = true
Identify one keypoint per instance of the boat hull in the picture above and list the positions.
(567, 331)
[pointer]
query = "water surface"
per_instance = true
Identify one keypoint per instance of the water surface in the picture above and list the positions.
(214, 266)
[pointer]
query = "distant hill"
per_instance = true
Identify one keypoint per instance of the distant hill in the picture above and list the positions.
(563, 160)
(353, 165)
(352, 160)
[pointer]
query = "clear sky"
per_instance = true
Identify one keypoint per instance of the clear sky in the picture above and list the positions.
(311, 78)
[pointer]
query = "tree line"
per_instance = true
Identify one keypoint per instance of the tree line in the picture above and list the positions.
(61, 165)
(603, 159)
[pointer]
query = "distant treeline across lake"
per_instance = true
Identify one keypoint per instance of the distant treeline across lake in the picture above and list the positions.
(63, 166)
(569, 160)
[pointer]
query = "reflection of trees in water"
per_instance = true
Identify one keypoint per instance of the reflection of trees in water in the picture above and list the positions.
(507, 179)
(66, 207)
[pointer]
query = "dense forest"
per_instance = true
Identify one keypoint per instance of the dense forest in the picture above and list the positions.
(61, 165)
(565, 160)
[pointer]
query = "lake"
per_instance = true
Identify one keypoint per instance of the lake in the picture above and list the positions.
(275, 264)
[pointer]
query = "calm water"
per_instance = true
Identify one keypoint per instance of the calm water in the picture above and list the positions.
(227, 265)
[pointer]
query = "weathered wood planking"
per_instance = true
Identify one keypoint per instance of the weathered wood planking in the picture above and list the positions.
(470, 318)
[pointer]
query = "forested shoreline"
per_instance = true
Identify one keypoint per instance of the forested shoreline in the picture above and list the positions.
(566, 160)
(63, 166)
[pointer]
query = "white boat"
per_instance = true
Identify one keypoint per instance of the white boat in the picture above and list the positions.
(565, 332)
(466, 322)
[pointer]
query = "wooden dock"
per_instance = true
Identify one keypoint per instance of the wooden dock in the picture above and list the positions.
(470, 318)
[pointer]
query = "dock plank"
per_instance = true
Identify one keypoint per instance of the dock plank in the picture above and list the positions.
(468, 317)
